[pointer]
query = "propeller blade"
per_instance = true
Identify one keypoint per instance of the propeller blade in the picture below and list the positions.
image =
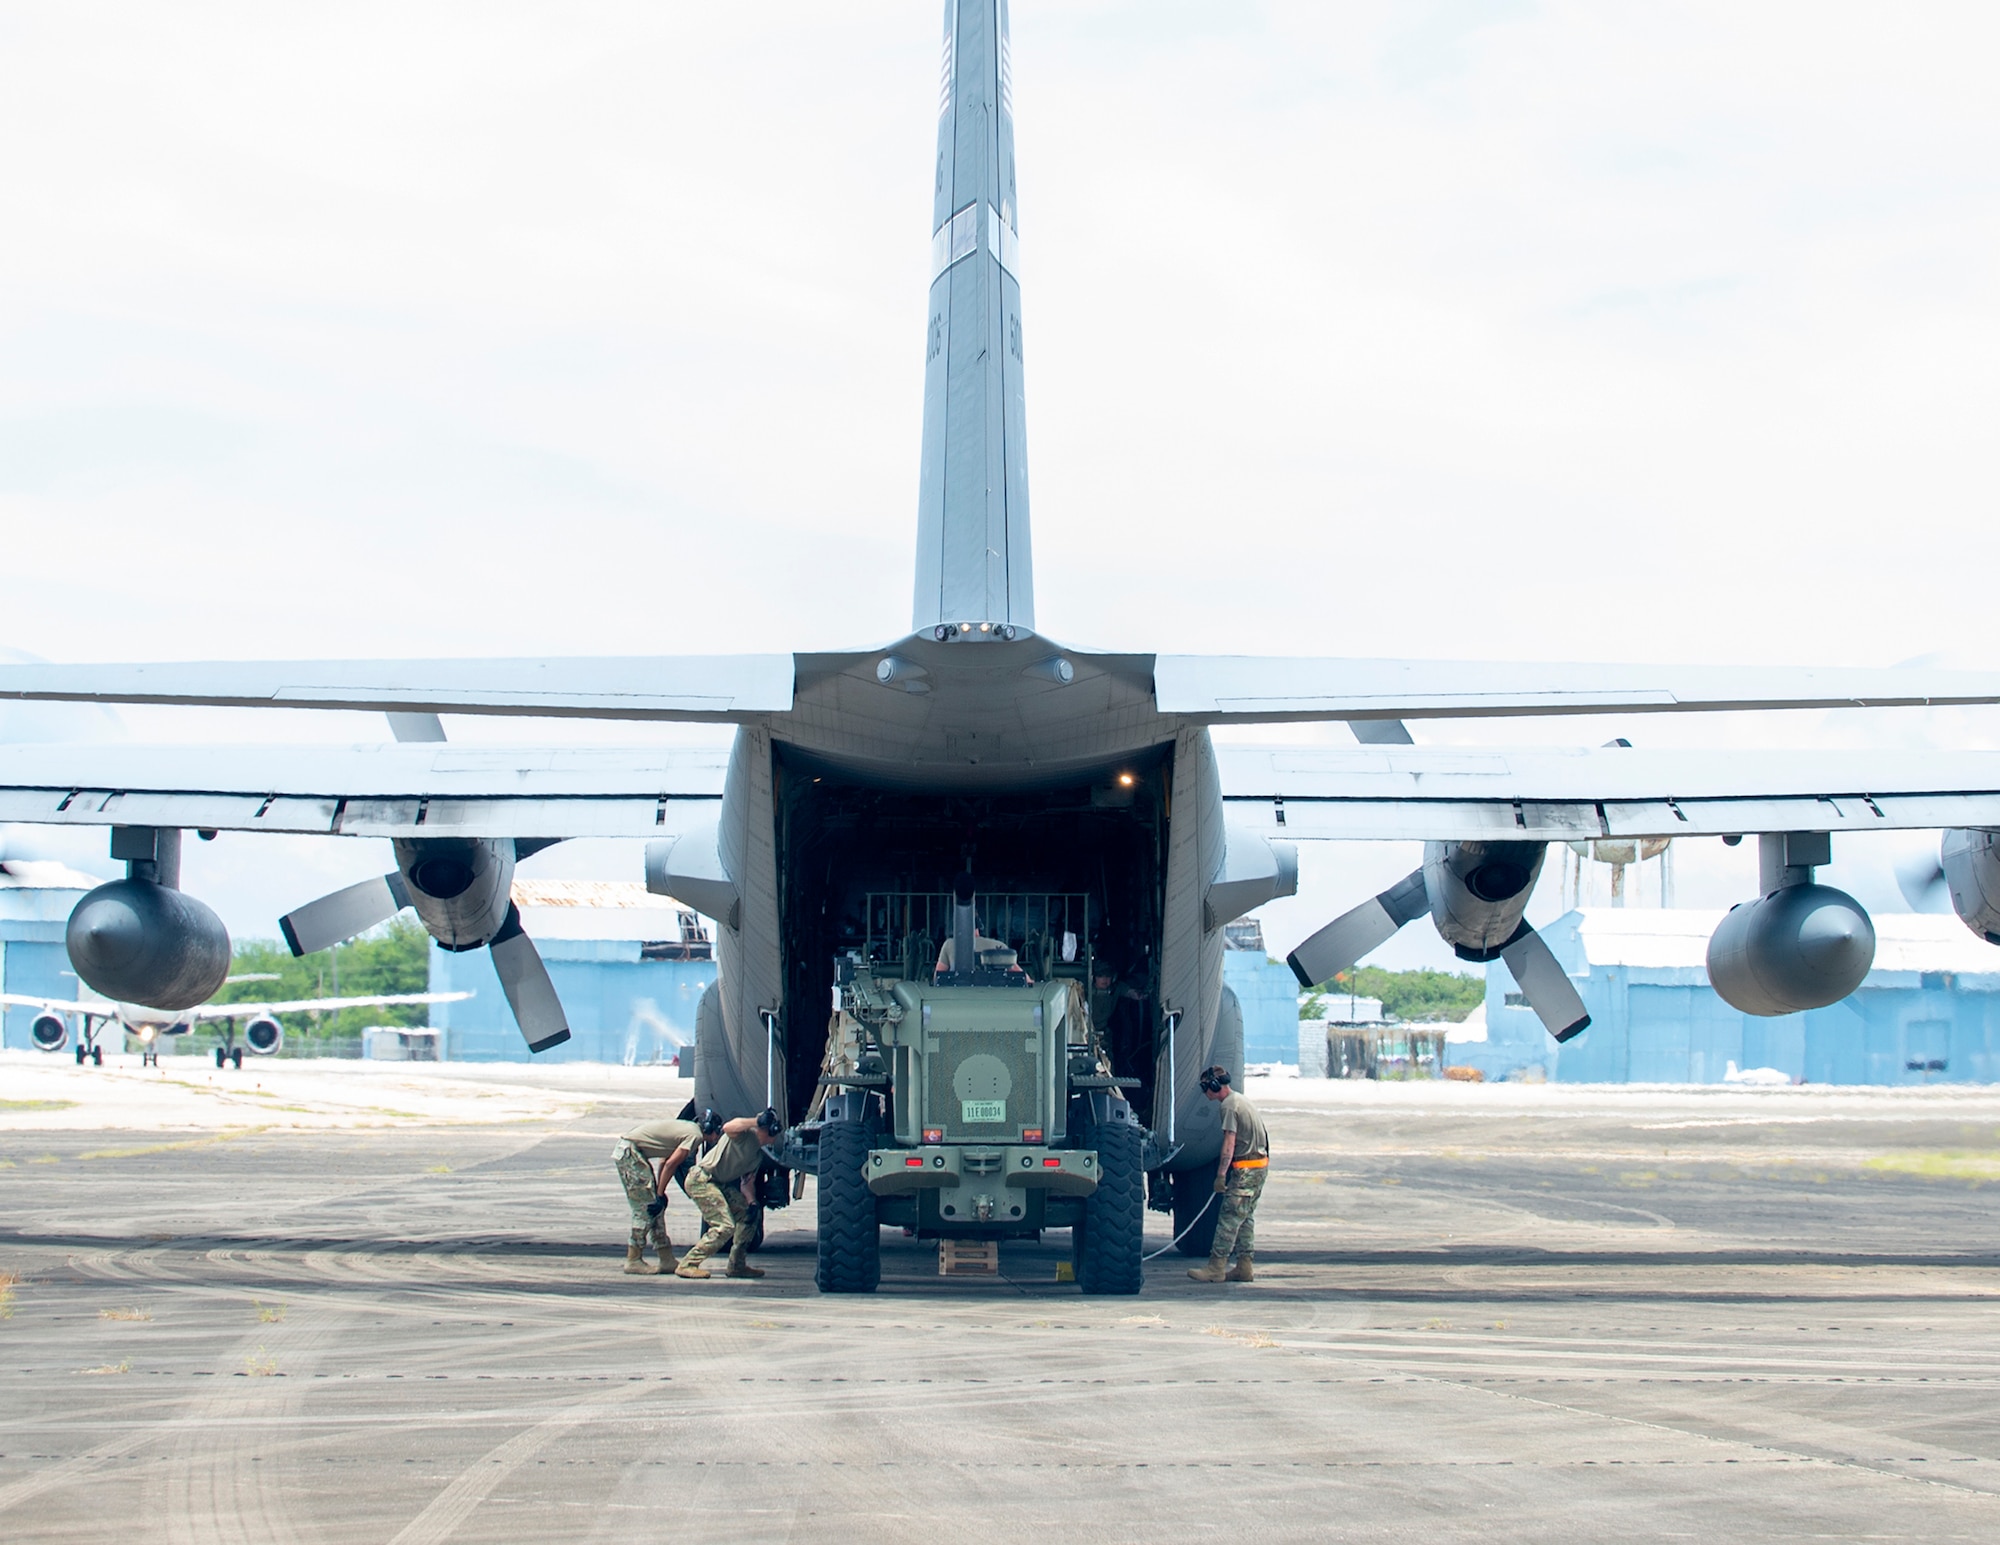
(1547, 987)
(1337, 946)
(525, 980)
(1920, 877)
(337, 918)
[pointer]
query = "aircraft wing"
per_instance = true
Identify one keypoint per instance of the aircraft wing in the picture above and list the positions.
(1448, 793)
(398, 790)
(15, 1000)
(213, 1011)
(710, 689)
(1250, 689)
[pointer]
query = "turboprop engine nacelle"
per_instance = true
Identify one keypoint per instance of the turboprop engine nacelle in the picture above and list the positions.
(1801, 946)
(264, 1035)
(1479, 892)
(1971, 863)
(49, 1032)
(461, 887)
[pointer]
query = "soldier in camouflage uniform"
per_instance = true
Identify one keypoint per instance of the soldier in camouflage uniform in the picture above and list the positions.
(724, 1186)
(1239, 1181)
(667, 1144)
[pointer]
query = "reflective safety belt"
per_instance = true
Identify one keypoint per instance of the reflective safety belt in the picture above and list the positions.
(1249, 1163)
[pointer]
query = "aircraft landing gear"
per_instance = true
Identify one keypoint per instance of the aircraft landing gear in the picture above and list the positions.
(97, 1055)
(236, 1058)
(81, 1053)
(149, 1058)
(221, 1056)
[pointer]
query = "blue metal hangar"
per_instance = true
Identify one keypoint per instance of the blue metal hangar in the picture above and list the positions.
(629, 966)
(1927, 1012)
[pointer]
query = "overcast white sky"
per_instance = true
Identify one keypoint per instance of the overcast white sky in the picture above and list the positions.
(1603, 331)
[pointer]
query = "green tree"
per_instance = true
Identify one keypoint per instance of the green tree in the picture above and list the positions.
(1407, 995)
(392, 959)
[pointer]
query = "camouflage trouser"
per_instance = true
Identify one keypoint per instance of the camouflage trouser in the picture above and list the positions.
(635, 1173)
(723, 1210)
(1236, 1228)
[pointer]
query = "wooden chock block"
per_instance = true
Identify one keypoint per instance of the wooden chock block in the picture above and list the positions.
(968, 1257)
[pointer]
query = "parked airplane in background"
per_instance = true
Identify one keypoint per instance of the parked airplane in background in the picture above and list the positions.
(1081, 788)
(262, 1033)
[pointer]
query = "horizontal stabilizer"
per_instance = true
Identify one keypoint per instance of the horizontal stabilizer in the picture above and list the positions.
(1252, 689)
(335, 919)
(1546, 986)
(1352, 935)
(721, 689)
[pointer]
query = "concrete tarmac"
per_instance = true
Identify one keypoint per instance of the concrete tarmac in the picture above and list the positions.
(303, 1306)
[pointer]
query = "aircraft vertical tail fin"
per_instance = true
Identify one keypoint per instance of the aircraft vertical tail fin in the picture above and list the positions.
(973, 558)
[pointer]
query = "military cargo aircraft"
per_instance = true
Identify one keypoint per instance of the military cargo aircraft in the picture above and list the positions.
(1109, 836)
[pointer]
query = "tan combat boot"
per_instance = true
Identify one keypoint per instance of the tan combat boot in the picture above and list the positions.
(635, 1262)
(1242, 1271)
(690, 1266)
(1214, 1271)
(739, 1266)
(666, 1249)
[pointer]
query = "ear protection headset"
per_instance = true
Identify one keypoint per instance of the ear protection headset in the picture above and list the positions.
(1213, 1079)
(711, 1123)
(767, 1121)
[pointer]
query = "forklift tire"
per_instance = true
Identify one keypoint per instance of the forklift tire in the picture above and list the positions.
(850, 1239)
(1110, 1242)
(1194, 1189)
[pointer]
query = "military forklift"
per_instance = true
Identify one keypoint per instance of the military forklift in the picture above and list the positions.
(971, 1102)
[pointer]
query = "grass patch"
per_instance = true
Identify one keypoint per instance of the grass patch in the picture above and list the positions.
(45, 1158)
(1255, 1338)
(107, 1368)
(37, 1105)
(9, 1280)
(1947, 1164)
(191, 1142)
(438, 1169)
(124, 1314)
(1437, 1324)
(260, 1364)
(269, 1314)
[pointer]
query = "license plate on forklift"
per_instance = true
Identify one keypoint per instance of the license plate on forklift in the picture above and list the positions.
(984, 1110)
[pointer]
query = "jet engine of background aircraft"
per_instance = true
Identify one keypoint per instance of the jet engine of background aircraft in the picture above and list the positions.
(142, 939)
(1477, 896)
(1801, 945)
(49, 1032)
(264, 1035)
(462, 891)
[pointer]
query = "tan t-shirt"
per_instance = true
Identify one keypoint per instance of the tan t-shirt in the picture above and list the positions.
(658, 1139)
(948, 951)
(734, 1156)
(1240, 1116)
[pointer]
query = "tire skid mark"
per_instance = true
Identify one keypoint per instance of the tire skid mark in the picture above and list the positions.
(460, 1499)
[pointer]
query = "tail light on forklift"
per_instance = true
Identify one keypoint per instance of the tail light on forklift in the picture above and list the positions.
(1031, 1134)
(1052, 1163)
(913, 1163)
(933, 1134)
